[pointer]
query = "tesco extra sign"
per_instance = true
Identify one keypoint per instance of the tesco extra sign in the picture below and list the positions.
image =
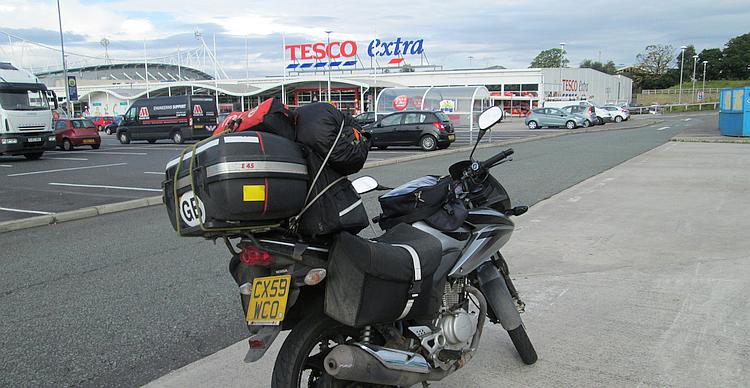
(349, 49)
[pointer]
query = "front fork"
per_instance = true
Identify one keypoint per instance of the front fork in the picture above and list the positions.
(502, 265)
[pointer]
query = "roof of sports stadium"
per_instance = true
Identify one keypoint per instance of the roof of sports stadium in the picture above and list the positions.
(126, 73)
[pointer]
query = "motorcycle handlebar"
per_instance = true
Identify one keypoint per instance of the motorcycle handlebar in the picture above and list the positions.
(489, 162)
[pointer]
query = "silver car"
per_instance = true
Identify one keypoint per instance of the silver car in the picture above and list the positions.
(553, 117)
(587, 112)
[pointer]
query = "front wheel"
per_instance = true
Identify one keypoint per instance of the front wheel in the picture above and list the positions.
(523, 345)
(570, 125)
(67, 145)
(300, 360)
(33, 156)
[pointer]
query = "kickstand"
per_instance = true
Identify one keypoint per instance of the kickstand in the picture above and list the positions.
(425, 384)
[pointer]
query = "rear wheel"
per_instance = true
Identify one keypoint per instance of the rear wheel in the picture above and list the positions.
(523, 345)
(586, 123)
(95, 146)
(428, 143)
(152, 141)
(570, 124)
(601, 120)
(108, 131)
(533, 125)
(33, 156)
(67, 145)
(177, 137)
(618, 119)
(300, 359)
(124, 138)
(382, 147)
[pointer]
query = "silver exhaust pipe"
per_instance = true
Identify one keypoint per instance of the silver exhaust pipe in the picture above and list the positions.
(376, 365)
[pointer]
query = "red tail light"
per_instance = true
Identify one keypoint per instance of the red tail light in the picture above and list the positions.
(591, 111)
(252, 255)
(439, 126)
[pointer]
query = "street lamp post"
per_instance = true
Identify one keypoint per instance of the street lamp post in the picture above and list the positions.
(695, 64)
(704, 79)
(562, 55)
(328, 41)
(682, 61)
(65, 67)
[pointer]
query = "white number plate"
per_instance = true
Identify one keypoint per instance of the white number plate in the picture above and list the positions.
(34, 139)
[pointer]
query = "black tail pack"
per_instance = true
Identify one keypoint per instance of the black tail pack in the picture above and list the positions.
(429, 198)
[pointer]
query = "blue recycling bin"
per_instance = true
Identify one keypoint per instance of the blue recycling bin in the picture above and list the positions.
(734, 111)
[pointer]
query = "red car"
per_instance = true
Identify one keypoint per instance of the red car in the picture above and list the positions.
(71, 133)
(102, 121)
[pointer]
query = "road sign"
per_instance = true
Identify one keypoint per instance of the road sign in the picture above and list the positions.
(72, 88)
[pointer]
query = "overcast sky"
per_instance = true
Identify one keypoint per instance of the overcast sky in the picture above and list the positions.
(508, 33)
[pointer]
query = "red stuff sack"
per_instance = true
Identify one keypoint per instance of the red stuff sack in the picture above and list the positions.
(270, 116)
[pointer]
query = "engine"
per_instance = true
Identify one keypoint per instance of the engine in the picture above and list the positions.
(454, 328)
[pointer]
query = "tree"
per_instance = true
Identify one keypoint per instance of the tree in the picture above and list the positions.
(550, 58)
(689, 53)
(715, 64)
(736, 63)
(655, 60)
(608, 68)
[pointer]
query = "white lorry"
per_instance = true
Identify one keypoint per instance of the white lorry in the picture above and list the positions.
(25, 114)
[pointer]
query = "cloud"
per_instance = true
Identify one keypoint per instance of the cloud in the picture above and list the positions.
(506, 32)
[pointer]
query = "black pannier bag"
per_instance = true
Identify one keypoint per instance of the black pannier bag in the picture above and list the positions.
(382, 281)
(240, 181)
(430, 198)
(318, 125)
(334, 204)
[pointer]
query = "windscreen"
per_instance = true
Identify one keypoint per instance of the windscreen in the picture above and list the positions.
(23, 100)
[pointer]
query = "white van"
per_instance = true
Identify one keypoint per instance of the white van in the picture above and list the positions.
(601, 114)
(25, 114)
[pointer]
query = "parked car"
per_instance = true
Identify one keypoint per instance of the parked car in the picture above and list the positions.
(602, 114)
(102, 121)
(618, 114)
(112, 127)
(365, 118)
(586, 111)
(71, 133)
(553, 117)
(429, 130)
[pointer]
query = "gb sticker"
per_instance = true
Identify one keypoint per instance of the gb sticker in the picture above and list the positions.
(192, 211)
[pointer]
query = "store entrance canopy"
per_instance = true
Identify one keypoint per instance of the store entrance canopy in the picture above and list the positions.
(462, 104)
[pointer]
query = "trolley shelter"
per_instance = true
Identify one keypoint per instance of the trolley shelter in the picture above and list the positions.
(734, 112)
(462, 104)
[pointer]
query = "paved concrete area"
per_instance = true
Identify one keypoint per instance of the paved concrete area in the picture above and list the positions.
(709, 134)
(120, 299)
(637, 276)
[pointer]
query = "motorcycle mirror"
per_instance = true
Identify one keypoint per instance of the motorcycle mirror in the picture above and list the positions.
(489, 117)
(365, 184)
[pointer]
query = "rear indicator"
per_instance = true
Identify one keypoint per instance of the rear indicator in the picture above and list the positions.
(315, 276)
(439, 126)
(190, 121)
(252, 255)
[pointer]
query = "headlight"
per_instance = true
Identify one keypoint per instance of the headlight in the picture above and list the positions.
(9, 141)
(51, 138)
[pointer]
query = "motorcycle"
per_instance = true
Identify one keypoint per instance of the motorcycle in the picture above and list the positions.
(282, 285)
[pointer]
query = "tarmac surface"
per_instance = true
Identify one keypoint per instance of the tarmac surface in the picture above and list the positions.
(120, 300)
(625, 284)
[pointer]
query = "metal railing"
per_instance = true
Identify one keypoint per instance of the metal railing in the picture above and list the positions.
(658, 109)
(687, 91)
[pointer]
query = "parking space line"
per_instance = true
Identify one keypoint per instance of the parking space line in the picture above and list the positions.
(104, 187)
(104, 152)
(5, 165)
(7, 209)
(154, 172)
(67, 169)
(81, 159)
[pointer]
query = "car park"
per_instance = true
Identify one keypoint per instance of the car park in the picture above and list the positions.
(178, 118)
(586, 111)
(618, 114)
(71, 133)
(553, 117)
(427, 129)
